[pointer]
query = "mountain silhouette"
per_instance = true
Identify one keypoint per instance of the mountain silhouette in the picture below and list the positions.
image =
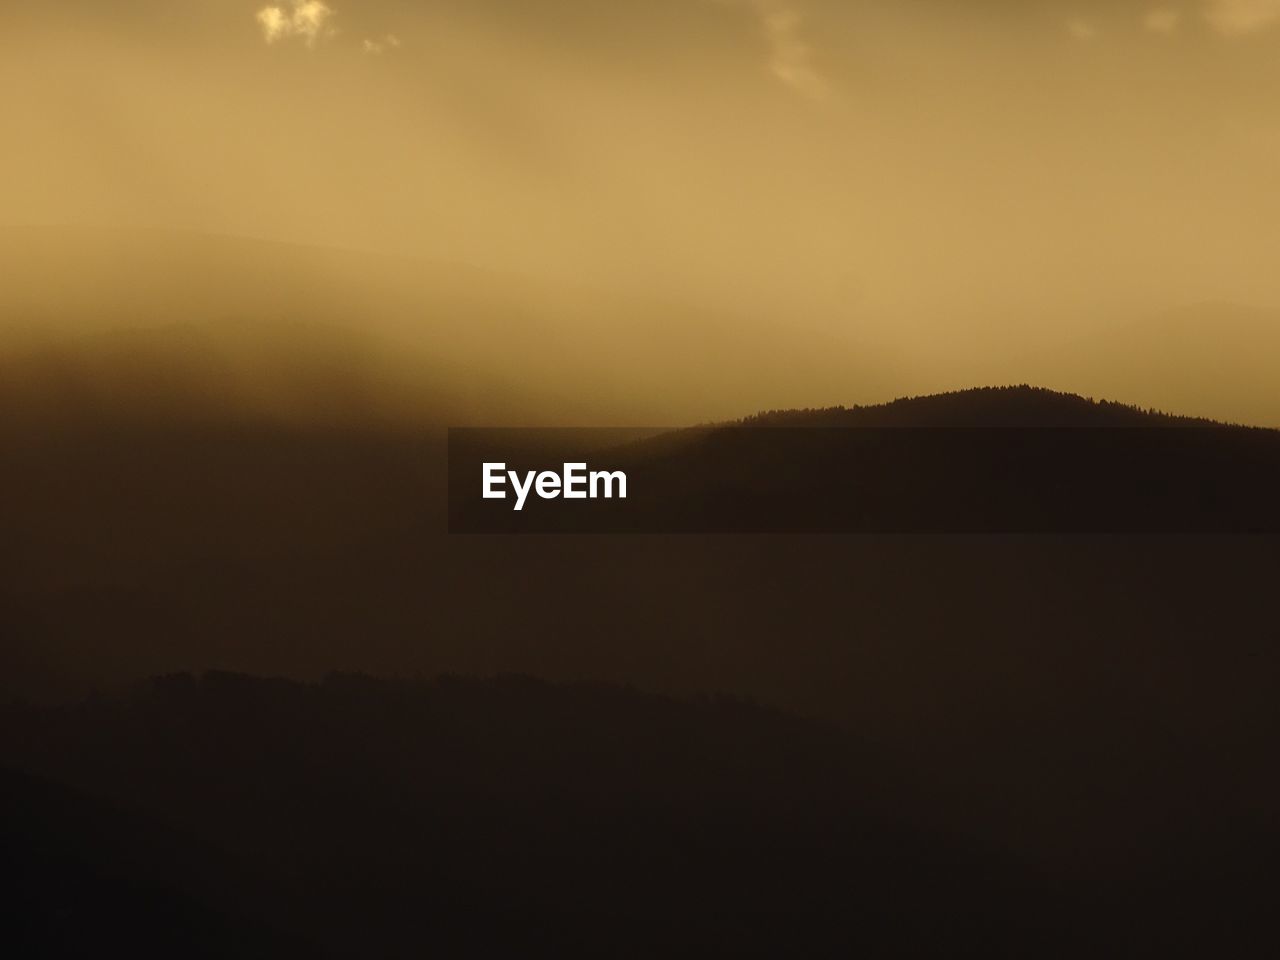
(982, 407)
(989, 460)
(1075, 729)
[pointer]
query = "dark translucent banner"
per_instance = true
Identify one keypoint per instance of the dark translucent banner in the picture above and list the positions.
(855, 480)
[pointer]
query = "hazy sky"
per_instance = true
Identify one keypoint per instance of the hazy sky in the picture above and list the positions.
(917, 162)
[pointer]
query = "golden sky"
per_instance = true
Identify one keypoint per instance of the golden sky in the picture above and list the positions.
(933, 172)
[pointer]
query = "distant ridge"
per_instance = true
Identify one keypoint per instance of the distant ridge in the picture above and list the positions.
(996, 406)
(990, 460)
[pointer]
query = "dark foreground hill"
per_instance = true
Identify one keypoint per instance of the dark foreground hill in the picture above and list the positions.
(228, 816)
(382, 819)
(86, 877)
(1095, 713)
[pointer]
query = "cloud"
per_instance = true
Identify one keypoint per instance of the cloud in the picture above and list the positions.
(376, 48)
(1239, 17)
(1081, 30)
(790, 56)
(307, 20)
(1161, 20)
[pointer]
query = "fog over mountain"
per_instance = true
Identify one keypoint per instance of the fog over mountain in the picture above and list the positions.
(140, 320)
(950, 191)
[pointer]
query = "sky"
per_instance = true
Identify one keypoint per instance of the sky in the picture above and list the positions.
(939, 172)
